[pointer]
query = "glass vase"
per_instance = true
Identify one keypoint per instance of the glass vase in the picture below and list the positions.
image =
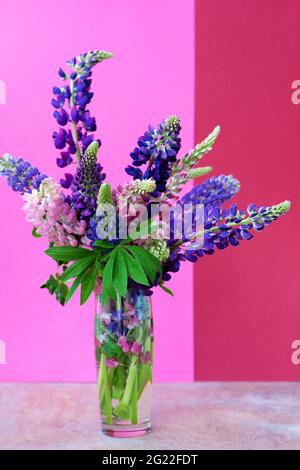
(124, 352)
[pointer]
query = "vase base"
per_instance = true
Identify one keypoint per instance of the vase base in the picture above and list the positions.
(126, 430)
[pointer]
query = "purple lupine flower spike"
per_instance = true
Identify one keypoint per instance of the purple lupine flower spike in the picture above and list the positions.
(70, 103)
(20, 175)
(158, 149)
(86, 183)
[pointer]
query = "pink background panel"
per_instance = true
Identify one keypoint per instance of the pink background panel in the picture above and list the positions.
(150, 77)
(247, 298)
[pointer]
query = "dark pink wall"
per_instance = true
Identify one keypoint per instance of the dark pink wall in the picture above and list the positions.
(248, 298)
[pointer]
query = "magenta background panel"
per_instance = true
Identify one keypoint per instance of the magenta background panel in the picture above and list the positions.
(151, 76)
(247, 298)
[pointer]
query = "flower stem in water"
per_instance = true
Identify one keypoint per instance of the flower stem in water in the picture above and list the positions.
(101, 377)
(121, 410)
(107, 397)
(134, 402)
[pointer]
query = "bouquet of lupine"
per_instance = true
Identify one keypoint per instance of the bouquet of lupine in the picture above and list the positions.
(105, 241)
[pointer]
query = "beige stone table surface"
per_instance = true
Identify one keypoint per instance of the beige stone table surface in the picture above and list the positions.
(185, 416)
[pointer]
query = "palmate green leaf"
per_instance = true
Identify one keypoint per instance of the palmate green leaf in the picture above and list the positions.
(149, 262)
(120, 273)
(87, 284)
(67, 253)
(78, 266)
(51, 284)
(57, 287)
(108, 290)
(134, 269)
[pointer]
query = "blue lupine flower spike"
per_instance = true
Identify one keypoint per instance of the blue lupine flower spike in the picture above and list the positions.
(213, 192)
(225, 227)
(20, 175)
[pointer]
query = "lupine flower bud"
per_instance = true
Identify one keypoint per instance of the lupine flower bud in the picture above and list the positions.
(180, 169)
(141, 187)
(172, 122)
(195, 172)
(159, 249)
(104, 195)
(201, 149)
(92, 150)
(84, 62)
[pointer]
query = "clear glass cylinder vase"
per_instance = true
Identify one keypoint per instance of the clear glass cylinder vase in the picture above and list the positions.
(124, 353)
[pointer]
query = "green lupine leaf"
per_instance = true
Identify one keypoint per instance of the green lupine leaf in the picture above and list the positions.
(103, 244)
(108, 290)
(149, 262)
(75, 285)
(35, 234)
(87, 284)
(166, 289)
(51, 284)
(77, 267)
(125, 241)
(134, 269)
(61, 292)
(120, 273)
(67, 253)
(57, 287)
(100, 268)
